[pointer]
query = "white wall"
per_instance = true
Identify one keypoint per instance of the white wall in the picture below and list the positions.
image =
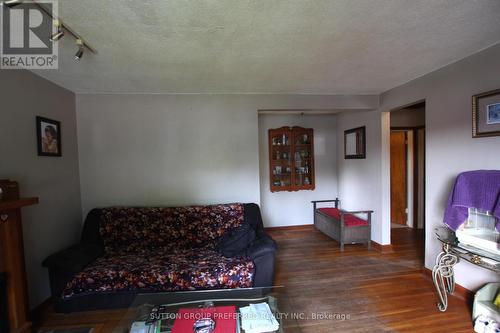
(55, 222)
(179, 149)
(450, 149)
(412, 117)
(295, 208)
(359, 180)
(165, 150)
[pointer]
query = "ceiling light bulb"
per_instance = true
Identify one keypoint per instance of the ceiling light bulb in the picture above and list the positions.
(12, 3)
(57, 35)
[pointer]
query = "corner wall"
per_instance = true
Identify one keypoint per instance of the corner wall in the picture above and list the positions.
(55, 222)
(450, 148)
(359, 180)
(180, 149)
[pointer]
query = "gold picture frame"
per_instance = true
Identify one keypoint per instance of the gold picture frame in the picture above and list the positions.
(486, 114)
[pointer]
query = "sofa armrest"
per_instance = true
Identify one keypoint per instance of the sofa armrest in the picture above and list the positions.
(74, 258)
(261, 246)
(262, 252)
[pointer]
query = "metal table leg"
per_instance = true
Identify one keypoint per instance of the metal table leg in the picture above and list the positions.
(443, 277)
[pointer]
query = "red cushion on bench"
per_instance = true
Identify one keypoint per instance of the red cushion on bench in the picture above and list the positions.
(349, 219)
(333, 212)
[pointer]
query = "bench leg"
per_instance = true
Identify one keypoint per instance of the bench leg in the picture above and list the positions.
(341, 246)
(369, 245)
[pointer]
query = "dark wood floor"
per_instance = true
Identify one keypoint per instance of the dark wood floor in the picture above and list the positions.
(379, 293)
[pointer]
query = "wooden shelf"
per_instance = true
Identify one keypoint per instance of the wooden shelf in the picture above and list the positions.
(15, 204)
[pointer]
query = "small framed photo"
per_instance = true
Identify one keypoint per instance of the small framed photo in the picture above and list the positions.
(486, 114)
(48, 137)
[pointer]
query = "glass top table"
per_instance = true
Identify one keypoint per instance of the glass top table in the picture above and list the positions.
(171, 302)
(472, 254)
(443, 273)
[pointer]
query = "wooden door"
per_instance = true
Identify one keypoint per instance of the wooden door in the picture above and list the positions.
(399, 200)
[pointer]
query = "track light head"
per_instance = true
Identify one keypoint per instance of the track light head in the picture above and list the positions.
(12, 3)
(56, 36)
(79, 53)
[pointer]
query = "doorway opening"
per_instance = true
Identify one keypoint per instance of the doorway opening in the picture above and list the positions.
(407, 168)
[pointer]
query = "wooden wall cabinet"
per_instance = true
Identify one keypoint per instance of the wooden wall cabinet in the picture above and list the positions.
(12, 263)
(291, 159)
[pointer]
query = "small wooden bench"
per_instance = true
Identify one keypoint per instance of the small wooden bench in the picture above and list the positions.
(343, 226)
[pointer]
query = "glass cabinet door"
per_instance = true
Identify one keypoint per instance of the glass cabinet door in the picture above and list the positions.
(291, 159)
(280, 151)
(303, 158)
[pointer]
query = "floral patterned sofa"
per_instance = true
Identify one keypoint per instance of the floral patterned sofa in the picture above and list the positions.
(129, 250)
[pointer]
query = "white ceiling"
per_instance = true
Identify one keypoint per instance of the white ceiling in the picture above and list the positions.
(268, 46)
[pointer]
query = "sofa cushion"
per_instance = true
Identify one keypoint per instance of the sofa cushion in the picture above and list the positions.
(349, 219)
(135, 230)
(263, 245)
(333, 212)
(159, 271)
(235, 241)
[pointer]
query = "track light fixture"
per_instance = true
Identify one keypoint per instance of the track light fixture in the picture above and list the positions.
(79, 53)
(12, 3)
(59, 33)
(62, 29)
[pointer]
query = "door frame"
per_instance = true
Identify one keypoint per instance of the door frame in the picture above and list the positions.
(414, 130)
(386, 173)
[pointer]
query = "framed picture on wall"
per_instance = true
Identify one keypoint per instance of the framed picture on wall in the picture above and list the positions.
(48, 133)
(355, 143)
(486, 114)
